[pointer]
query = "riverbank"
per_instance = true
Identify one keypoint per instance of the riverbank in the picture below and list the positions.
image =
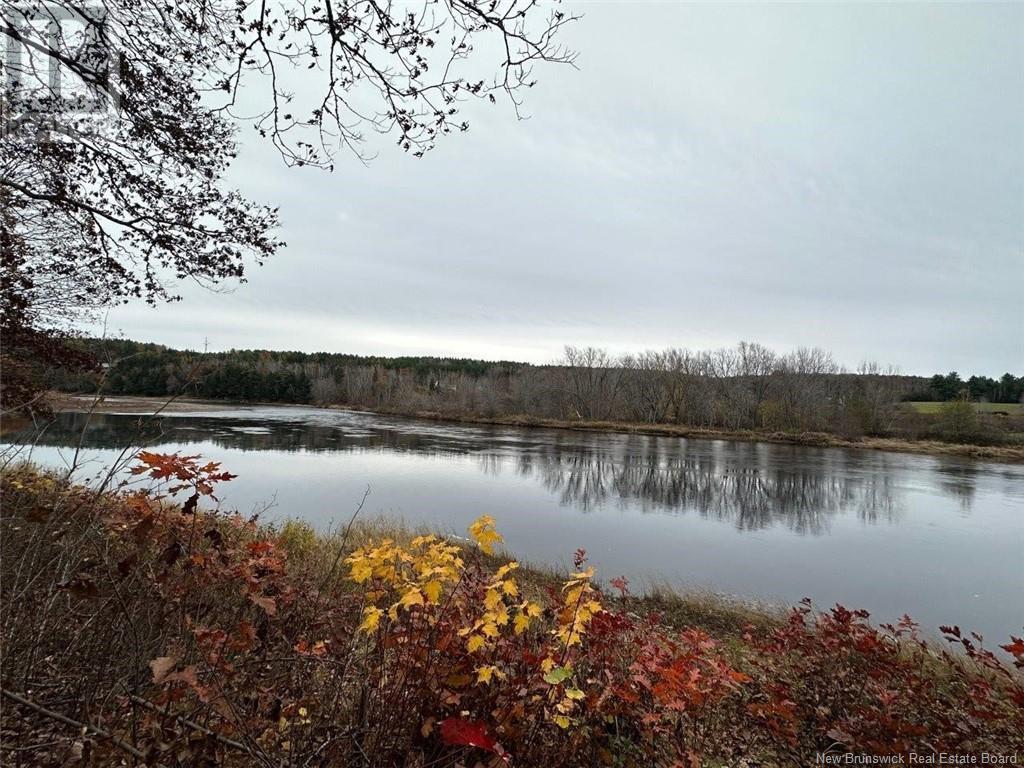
(1003, 453)
(168, 633)
(1000, 453)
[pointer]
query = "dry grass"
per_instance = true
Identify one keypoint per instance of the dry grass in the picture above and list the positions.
(721, 616)
(1010, 409)
(138, 632)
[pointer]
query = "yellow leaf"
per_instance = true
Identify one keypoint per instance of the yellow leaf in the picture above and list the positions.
(509, 587)
(521, 623)
(475, 643)
(490, 629)
(371, 618)
(574, 693)
(492, 599)
(507, 568)
(432, 589)
(533, 610)
(562, 721)
(361, 571)
(547, 665)
(484, 674)
(411, 597)
(483, 533)
(574, 593)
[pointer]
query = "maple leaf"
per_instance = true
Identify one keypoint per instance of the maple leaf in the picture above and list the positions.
(1016, 648)
(412, 597)
(371, 619)
(461, 732)
(621, 583)
(432, 589)
(558, 675)
(521, 623)
(483, 533)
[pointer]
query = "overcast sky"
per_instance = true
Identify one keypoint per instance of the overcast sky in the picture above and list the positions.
(846, 176)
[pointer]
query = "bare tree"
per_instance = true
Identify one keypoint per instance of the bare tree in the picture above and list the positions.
(592, 382)
(119, 118)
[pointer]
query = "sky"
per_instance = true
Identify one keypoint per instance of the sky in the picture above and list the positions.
(842, 176)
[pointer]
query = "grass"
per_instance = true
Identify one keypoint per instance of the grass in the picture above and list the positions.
(140, 631)
(1010, 409)
(720, 616)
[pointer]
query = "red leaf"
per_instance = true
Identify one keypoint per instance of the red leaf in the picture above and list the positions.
(188, 677)
(460, 732)
(621, 583)
(1016, 648)
(260, 548)
(245, 637)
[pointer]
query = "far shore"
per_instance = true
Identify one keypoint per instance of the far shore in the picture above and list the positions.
(132, 404)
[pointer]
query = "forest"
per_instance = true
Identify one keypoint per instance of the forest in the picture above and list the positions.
(746, 387)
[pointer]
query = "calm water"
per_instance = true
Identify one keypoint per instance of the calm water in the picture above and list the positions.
(940, 538)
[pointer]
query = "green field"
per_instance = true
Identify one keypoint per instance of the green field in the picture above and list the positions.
(1013, 409)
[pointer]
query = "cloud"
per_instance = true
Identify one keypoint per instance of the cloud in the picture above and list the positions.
(850, 176)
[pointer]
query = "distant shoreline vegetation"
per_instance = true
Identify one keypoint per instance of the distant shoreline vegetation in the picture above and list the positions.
(747, 388)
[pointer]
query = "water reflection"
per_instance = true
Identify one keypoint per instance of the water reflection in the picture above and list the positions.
(959, 482)
(752, 487)
(939, 538)
(752, 498)
(291, 432)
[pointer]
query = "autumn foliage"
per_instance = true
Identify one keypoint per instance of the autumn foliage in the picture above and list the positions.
(178, 635)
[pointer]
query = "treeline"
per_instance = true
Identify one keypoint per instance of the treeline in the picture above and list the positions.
(134, 368)
(1006, 389)
(746, 387)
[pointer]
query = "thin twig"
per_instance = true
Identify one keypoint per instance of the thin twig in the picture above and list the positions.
(78, 724)
(195, 726)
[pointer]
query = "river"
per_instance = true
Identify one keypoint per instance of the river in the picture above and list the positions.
(940, 538)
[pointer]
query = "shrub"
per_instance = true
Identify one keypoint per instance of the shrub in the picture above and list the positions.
(190, 637)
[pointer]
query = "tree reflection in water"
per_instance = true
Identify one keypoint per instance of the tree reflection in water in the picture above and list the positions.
(752, 486)
(717, 487)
